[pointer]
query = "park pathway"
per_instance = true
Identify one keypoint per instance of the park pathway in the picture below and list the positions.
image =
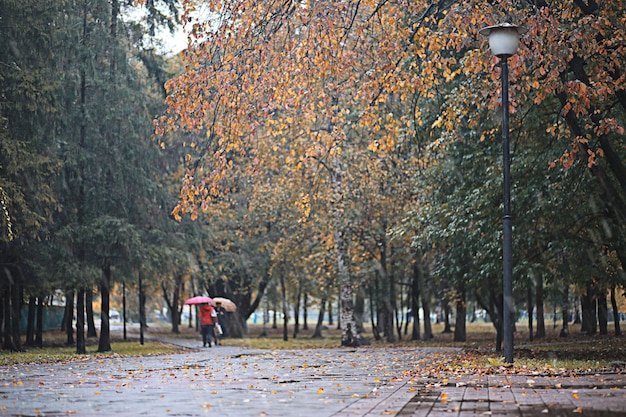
(239, 382)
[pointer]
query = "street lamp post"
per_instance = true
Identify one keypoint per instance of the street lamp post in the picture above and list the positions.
(503, 41)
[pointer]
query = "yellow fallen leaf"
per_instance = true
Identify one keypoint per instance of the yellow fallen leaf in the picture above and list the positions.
(575, 395)
(412, 389)
(320, 390)
(207, 406)
(376, 380)
(274, 391)
(355, 395)
(96, 393)
(444, 397)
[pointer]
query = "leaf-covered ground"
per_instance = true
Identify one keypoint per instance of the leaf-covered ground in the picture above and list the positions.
(578, 353)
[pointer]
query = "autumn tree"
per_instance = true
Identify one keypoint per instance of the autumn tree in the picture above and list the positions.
(324, 81)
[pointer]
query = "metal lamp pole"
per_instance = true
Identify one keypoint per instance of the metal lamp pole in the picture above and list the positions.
(503, 41)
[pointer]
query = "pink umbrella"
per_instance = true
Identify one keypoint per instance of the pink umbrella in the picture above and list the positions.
(199, 299)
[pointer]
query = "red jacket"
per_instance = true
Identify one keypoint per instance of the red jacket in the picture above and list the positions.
(205, 315)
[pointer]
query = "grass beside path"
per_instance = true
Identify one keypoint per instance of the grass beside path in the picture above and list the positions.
(577, 353)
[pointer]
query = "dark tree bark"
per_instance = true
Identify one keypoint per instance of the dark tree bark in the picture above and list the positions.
(494, 308)
(317, 334)
(30, 322)
(373, 305)
(283, 293)
(80, 322)
(39, 330)
(7, 343)
(91, 324)
(305, 311)
(460, 333)
(359, 310)
(616, 324)
(530, 311)
(541, 320)
(172, 304)
(415, 299)
(589, 306)
(446, 316)
(426, 284)
(16, 303)
(68, 318)
(296, 312)
(603, 312)
(565, 310)
(330, 313)
(104, 343)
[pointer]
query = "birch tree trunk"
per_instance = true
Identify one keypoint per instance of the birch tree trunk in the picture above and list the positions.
(349, 335)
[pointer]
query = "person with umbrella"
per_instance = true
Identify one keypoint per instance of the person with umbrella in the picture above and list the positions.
(208, 319)
(221, 318)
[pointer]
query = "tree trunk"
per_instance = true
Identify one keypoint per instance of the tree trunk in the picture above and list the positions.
(317, 334)
(305, 311)
(80, 322)
(616, 324)
(68, 317)
(589, 307)
(296, 312)
(142, 309)
(39, 330)
(30, 321)
(373, 305)
(275, 317)
(104, 343)
(349, 335)
(2, 313)
(425, 284)
(529, 311)
(460, 333)
(603, 312)
(16, 302)
(415, 298)
(446, 316)
(7, 343)
(541, 320)
(266, 315)
(283, 293)
(172, 304)
(91, 324)
(565, 312)
(359, 310)
(330, 312)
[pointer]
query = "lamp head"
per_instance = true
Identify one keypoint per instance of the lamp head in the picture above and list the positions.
(503, 38)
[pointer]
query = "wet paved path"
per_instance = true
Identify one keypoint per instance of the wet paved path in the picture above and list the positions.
(229, 381)
(232, 381)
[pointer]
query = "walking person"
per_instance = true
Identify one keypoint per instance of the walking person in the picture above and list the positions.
(221, 318)
(208, 318)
